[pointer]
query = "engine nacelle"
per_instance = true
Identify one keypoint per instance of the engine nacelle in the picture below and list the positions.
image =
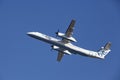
(62, 35)
(61, 50)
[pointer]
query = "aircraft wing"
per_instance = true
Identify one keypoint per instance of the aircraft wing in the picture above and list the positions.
(70, 29)
(60, 55)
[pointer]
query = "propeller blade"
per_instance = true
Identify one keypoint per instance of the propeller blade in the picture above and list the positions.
(57, 33)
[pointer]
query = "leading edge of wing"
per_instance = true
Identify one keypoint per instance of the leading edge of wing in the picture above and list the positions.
(70, 29)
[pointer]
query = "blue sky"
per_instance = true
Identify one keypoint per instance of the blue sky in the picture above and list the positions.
(24, 58)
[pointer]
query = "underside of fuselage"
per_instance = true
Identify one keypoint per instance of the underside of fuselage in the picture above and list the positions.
(56, 42)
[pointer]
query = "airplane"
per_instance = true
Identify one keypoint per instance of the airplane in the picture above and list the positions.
(65, 47)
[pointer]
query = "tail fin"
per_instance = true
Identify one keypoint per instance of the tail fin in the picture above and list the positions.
(107, 46)
(104, 50)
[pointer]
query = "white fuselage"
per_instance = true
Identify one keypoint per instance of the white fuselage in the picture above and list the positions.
(70, 47)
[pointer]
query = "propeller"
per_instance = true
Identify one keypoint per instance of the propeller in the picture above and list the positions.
(51, 47)
(57, 33)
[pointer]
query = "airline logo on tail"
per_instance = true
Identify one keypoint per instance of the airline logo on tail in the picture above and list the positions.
(104, 50)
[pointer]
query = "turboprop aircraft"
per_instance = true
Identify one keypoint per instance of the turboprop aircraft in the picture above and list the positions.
(65, 47)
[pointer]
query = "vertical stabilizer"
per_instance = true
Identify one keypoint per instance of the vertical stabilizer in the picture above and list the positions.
(104, 50)
(107, 46)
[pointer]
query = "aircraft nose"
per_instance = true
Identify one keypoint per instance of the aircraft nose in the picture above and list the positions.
(30, 33)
